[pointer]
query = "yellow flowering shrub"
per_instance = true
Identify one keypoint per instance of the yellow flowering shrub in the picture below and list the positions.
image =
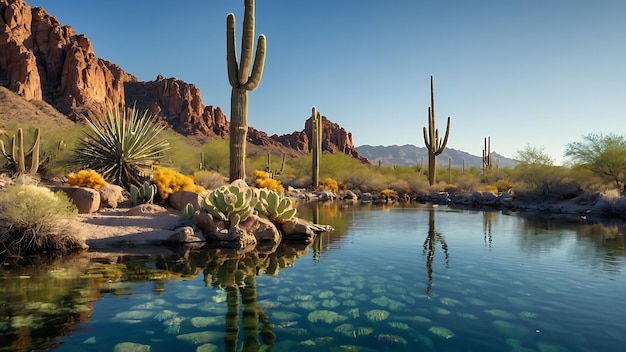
(262, 180)
(258, 174)
(389, 193)
(490, 188)
(86, 178)
(328, 184)
(169, 181)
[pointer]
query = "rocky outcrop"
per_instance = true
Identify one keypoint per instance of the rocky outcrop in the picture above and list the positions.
(18, 65)
(335, 139)
(41, 59)
(179, 104)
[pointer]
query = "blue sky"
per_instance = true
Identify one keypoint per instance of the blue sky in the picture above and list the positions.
(525, 72)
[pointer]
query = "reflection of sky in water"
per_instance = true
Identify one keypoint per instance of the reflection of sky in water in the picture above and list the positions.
(507, 283)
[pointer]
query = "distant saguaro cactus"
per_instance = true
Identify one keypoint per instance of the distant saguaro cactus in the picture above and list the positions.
(487, 158)
(316, 146)
(242, 80)
(431, 138)
(275, 172)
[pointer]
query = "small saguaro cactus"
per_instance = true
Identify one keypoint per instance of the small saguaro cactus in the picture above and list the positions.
(143, 194)
(431, 138)
(316, 146)
(487, 157)
(268, 166)
(243, 77)
(18, 154)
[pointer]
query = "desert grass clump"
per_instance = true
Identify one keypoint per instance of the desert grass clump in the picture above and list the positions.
(123, 147)
(33, 218)
(209, 179)
(86, 178)
(503, 185)
(169, 181)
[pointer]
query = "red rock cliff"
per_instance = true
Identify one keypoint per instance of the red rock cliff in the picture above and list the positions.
(42, 59)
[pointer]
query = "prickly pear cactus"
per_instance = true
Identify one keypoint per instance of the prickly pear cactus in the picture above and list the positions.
(232, 203)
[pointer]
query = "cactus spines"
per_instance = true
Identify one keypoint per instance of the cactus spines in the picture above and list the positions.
(434, 145)
(242, 81)
(316, 146)
(18, 154)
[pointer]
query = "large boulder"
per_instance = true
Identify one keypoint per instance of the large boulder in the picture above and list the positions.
(262, 229)
(87, 200)
(184, 235)
(298, 230)
(111, 195)
(235, 237)
(178, 200)
(206, 224)
(146, 208)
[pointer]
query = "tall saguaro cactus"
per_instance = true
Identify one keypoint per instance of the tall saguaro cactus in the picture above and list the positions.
(431, 138)
(243, 77)
(18, 154)
(316, 146)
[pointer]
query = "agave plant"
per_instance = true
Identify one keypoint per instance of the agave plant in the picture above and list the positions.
(123, 147)
(233, 203)
(274, 206)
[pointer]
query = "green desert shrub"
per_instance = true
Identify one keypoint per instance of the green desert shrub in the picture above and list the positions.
(33, 218)
(216, 154)
(122, 148)
(57, 149)
(468, 183)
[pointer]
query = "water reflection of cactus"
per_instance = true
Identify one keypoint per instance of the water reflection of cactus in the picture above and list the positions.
(488, 217)
(236, 273)
(429, 248)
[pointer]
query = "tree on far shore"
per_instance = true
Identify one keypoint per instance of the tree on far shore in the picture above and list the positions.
(604, 155)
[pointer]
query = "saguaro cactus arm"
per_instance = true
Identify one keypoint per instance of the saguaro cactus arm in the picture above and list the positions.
(259, 64)
(231, 51)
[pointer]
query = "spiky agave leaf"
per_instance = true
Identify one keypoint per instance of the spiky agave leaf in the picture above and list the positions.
(121, 146)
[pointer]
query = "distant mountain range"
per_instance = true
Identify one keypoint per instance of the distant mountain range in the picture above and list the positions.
(410, 155)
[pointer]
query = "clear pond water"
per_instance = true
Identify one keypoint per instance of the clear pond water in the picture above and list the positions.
(403, 278)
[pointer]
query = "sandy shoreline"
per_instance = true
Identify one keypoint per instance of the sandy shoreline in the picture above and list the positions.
(127, 226)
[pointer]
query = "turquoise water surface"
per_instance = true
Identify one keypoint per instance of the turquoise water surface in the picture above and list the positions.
(403, 278)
